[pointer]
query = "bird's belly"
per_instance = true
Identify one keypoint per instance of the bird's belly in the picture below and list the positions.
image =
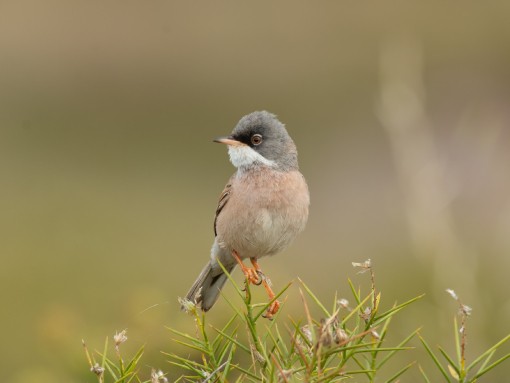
(257, 222)
(262, 233)
(272, 234)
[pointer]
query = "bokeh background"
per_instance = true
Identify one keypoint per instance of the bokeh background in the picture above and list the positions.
(109, 177)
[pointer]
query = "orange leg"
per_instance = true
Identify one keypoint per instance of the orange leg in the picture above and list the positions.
(254, 275)
(251, 274)
(273, 308)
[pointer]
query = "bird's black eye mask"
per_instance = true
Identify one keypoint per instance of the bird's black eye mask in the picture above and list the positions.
(255, 137)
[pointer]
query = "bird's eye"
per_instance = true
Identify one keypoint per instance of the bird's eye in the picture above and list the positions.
(256, 139)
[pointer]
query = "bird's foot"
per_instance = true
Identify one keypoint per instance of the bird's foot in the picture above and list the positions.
(272, 310)
(253, 274)
(275, 305)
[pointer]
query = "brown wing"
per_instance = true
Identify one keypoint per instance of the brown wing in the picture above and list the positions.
(225, 195)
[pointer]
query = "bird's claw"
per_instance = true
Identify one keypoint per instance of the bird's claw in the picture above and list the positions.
(254, 276)
(272, 310)
(261, 278)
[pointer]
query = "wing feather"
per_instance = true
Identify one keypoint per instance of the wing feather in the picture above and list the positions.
(224, 197)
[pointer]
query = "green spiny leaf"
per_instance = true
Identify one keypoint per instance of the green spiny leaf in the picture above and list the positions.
(400, 372)
(434, 359)
(397, 308)
(490, 367)
(315, 299)
(449, 360)
(488, 352)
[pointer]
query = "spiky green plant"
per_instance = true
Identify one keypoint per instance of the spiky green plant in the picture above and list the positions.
(341, 342)
(117, 369)
(457, 369)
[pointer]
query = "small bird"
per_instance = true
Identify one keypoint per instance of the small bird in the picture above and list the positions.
(261, 209)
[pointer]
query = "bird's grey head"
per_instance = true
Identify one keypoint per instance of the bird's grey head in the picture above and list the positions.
(260, 139)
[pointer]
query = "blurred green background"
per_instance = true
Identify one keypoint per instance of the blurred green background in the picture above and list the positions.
(110, 179)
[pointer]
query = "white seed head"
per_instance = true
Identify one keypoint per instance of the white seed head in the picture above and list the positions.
(120, 337)
(375, 334)
(364, 266)
(187, 306)
(307, 333)
(158, 376)
(452, 294)
(344, 303)
(366, 314)
(97, 369)
(257, 355)
(466, 310)
(341, 336)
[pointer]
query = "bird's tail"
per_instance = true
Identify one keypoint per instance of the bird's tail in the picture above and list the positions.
(206, 289)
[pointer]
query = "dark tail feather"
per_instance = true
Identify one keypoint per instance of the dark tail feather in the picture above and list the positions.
(206, 289)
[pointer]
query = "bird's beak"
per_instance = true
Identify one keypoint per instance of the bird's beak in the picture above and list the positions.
(228, 141)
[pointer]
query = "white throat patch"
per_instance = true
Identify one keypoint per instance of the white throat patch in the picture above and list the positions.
(244, 156)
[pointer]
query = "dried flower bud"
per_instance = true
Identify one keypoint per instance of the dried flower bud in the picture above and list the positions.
(366, 314)
(285, 374)
(344, 303)
(466, 310)
(257, 355)
(97, 369)
(340, 336)
(188, 306)
(307, 333)
(453, 373)
(119, 338)
(364, 266)
(304, 340)
(452, 294)
(158, 376)
(325, 336)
